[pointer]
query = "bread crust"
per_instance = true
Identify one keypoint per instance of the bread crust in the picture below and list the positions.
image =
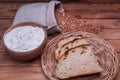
(62, 48)
(75, 54)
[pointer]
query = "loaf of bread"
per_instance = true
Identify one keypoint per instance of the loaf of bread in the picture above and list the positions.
(75, 57)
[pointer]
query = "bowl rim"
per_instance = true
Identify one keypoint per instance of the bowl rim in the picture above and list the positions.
(25, 24)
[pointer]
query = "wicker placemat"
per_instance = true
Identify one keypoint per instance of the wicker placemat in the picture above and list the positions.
(107, 57)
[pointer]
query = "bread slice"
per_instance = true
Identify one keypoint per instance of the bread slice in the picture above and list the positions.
(68, 39)
(61, 50)
(63, 44)
(78, 61)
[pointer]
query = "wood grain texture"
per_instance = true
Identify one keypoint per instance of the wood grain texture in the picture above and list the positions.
(115, 43)
(94, 11)
(7, 61)
(110, 33)
(21, 73)
(107, 15)
(24, 0)
(68, 1)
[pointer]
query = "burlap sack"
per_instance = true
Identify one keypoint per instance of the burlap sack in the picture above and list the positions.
(41, 13)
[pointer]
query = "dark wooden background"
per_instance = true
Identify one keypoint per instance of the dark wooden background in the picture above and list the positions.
(100, 12)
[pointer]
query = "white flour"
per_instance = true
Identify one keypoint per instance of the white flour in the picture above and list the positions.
(24, 38)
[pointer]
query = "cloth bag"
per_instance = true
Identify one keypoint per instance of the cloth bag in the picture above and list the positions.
(41, 13)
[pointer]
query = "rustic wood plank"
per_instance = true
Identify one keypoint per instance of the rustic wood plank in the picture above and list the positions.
(21, 73)
(7, 13)
(94, 11)
(1, 46)
(80, 6)
(2, 33)
(11, 5)
(7, 61)
(115, 44)
(95, 14)
(68, 1)
(91, 1)
(9, 10)
(110, 34)
(5, 23)
(68, 6)
(106, 23)
(24, 0)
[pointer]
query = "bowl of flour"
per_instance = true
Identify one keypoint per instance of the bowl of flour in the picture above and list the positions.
(25, 41)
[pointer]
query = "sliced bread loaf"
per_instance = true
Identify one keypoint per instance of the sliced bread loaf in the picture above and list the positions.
(70, 45)
(78, 62)
(63, 43)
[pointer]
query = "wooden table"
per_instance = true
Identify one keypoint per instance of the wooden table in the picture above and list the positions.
(107, 15)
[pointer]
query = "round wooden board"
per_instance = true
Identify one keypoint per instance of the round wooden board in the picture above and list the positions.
(106, 54)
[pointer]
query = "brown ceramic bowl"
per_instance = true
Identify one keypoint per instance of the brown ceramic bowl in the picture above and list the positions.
(27, 55)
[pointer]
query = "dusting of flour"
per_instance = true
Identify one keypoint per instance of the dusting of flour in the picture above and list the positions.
(24, 38)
